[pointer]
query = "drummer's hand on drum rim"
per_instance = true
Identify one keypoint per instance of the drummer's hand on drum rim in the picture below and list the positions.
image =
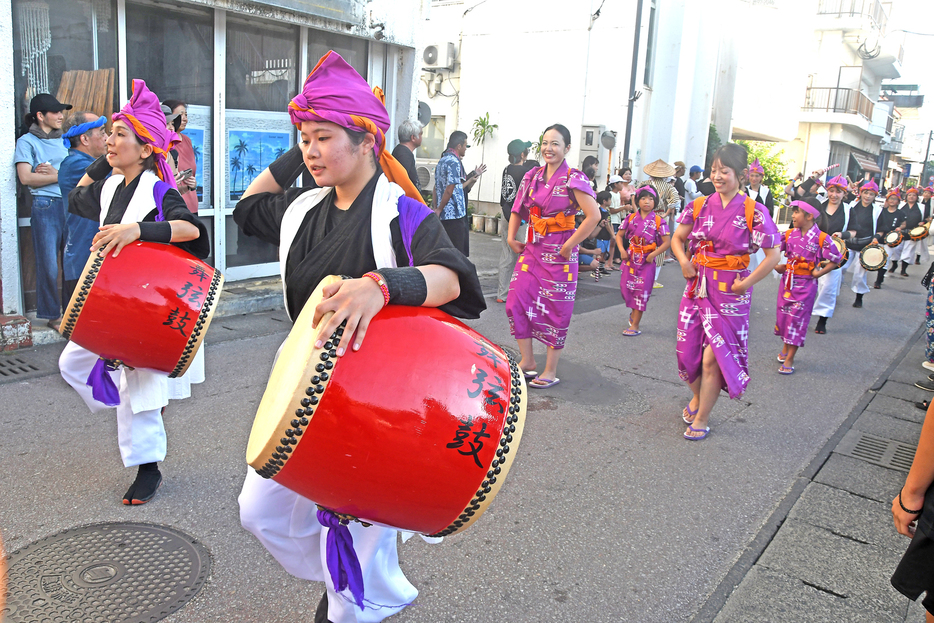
(353, 300)
(115, 237)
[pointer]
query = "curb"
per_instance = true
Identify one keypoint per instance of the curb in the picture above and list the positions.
(751, 553)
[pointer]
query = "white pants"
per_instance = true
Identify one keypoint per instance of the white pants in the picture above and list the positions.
(141, 435)
(858, 284)
(828, 287)
(924, 251)
(287, 526)
(913, 248)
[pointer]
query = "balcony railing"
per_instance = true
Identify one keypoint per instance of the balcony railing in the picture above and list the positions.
(851, 8)
(832, 99)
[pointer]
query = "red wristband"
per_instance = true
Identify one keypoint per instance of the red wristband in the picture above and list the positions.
(378, 278)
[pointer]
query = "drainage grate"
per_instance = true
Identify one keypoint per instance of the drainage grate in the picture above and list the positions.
(877, 450)
(116, 572)
(16, 367)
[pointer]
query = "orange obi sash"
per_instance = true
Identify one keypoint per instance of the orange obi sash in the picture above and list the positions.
(798, 267)
(545, 226)
(638, 245)
(703, 256)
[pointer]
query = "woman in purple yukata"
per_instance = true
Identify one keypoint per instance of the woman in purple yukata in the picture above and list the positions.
(713, 321)
(810, 253)
(648, 238)
(544, 282)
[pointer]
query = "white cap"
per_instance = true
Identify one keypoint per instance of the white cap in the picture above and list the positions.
(615, 178)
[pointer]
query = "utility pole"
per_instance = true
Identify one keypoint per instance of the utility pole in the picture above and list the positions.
(924, 167)
(632, 83)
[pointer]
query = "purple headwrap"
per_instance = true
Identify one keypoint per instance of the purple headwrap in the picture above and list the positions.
(335, 92)
(143, 113)
(869, 185)
(804, 206)
(839, 181)
(755, 167)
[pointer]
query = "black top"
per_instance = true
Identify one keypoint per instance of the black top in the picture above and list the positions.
(85, 201)
(679, 186)
(512, 178)
(913, 215)
(331, 241)
(861, 223)
(888, 221)
(706, 187)
(769, 200)
(407, 159)
(927, 208)
(828, 223)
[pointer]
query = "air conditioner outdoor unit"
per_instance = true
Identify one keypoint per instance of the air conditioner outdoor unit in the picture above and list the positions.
(439, 56)
(426, 177)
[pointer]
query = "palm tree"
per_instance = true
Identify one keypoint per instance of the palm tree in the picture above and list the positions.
(241, 148)
(197, 151)
(279, 151)
(234, 168)
(251, 170)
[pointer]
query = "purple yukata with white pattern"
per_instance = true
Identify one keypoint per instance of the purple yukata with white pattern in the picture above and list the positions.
(638, 277)
(721, 318)
(796, 302)
(544, 284)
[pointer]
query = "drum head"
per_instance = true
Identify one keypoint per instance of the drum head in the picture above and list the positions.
(873, 258)
(918, 232)
(844, 252)
(893, 238)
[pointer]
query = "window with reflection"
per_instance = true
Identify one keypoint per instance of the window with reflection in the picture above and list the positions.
(262, 64)
(354, 51)
(171, 47)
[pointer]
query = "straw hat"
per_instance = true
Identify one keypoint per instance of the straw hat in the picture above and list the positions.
(659, 168)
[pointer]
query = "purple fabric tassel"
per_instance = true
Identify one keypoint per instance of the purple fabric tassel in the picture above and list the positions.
(411, 215)
(342, 559)
(102, 386)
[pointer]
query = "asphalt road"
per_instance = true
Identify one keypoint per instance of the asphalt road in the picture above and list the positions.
(608, 514)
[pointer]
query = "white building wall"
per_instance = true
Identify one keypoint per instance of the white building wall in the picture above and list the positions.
(9, 247)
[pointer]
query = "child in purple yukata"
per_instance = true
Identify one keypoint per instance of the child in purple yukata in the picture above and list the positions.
(648, 238)
(721, 230)
(809, 253)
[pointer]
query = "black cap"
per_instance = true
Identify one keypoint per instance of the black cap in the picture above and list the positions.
(457, 137)
(46, 103)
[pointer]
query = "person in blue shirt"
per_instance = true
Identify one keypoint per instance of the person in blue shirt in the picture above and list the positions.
(86, 138)
(38, 155)
(451, 188)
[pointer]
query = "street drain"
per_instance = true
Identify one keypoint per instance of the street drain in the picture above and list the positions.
(16, 367)
(877, 450)
(114, 573)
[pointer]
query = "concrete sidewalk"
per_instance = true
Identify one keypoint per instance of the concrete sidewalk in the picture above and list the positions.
(829, 548)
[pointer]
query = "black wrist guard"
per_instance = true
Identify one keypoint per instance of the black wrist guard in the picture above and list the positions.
(286, 168)
(99, 169)
(406, 285)
(155, 232)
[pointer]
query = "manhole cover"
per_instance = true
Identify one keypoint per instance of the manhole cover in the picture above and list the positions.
(877, 450)
(17, 368)
(113, 573)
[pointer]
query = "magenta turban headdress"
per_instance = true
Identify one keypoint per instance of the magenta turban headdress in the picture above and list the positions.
(143, 113)
(335, 92)
(804, 206)
(755, 167)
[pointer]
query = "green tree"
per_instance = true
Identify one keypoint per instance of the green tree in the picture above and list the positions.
(234, 169)
(482, 129)
(241, 148)
(776, 172)
(251, 170)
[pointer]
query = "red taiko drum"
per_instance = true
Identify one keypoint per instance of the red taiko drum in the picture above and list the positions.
(149, 307)
(416, 430)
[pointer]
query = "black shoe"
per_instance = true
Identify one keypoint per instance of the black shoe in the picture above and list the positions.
(821, 326)
(148, 480)
(931, 377)
(917, 260)
(877, 285)
(859, 301)
(904, 274)
(925, 385)
(321, 613)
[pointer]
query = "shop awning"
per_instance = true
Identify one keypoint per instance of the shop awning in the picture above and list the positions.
(866, 163)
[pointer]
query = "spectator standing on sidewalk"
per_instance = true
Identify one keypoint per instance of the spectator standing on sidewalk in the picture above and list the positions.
(678, 180)
(38, 155)
(668, 200)
(410, 139)
(519, 165)
(616, 210)
(913, 513)
(87, 137)
(690, 185)
(451, 187)
(187, 185)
